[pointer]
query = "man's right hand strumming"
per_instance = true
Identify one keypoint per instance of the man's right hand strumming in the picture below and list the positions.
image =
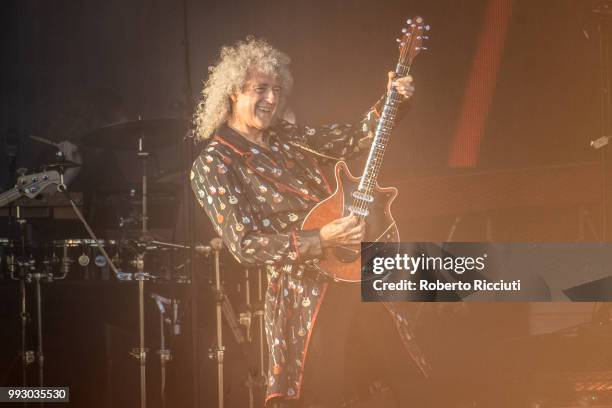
(349, 230)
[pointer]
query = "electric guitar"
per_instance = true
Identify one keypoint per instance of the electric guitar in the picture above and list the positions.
(30, 186)
(363, 196)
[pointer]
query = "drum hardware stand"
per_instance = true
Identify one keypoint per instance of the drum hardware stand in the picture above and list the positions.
(247, 317)
(262, 334)
(255, 380)
(18, 270)
(219, 349)
(165, 355)
(223, 308)
(26, 356)
(140, 353)
(28, 272)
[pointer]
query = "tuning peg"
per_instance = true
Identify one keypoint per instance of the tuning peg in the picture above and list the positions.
(409, 21)
(404, 30)
(427, 27)
(419, 20)
(421, 48)
(398, 40)
(425, 37)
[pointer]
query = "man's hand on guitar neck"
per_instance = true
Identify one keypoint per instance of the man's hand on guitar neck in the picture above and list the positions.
(404, 85)
(349, 230)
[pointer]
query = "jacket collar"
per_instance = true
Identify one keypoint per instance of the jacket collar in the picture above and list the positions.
(245, 148)
(234, 140)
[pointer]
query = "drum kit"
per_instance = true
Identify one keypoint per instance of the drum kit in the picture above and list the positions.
(144, 257)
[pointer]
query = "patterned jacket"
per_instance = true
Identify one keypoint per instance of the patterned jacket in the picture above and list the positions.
(257, 199)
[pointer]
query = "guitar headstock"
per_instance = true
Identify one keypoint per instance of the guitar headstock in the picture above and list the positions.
(31, 185)
(411, 42)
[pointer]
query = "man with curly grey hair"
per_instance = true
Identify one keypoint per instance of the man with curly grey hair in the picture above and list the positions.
(256, 178)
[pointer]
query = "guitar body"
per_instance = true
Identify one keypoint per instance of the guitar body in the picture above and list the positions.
(344, 263)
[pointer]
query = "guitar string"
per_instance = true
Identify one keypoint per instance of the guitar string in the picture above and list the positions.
(382, 137)
(390, 110)
(389, 113)
(379, 145)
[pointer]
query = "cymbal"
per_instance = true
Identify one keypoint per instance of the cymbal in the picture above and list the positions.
(66, 164)
(157, 133)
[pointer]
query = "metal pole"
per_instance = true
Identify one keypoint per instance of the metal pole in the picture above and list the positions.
(24, 328)
(189, 205)
(220, 348)
(260, 318)
(39, 352)
(163, 355)
(142, 353)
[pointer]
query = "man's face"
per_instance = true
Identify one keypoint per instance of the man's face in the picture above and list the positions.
(255, 106)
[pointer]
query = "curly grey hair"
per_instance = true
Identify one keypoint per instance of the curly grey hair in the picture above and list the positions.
(230, 75)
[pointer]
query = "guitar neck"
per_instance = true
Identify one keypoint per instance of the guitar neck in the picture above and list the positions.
(9, 196)
(382, 135)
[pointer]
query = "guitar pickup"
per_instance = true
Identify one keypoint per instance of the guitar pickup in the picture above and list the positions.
(359, 211)
(363, 196)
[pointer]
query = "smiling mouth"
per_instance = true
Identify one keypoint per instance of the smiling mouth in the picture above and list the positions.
(265, 109)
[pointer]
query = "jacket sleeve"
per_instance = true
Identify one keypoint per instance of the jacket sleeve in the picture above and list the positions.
(340, 141)
(218, 191)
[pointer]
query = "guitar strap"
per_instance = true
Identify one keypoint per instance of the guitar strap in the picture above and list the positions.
(316, 153)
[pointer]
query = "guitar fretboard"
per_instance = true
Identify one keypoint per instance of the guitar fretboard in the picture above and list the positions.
(383, 133)
(367, 184)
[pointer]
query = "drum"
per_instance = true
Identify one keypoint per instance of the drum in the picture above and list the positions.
(82, 259)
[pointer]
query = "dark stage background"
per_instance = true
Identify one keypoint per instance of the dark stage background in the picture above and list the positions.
(69, 67)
